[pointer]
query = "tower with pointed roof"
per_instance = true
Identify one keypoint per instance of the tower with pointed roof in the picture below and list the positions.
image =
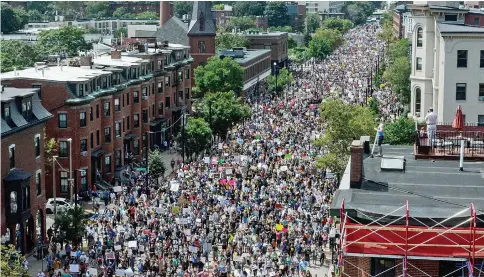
(201, 33)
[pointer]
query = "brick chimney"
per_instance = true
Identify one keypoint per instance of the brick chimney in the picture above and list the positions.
(356, 167)
(115, 55)
(85, 61)
(165, 12)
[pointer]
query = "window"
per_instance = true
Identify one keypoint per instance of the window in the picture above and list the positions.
(187, 94)
(461, 58)
(153, 112)
(481, 92)
(62, 120)
(144, 92)
(476, 21)
(107, 109)
(187, 74)
(97, 137)
(81, 89)
(202, 48)
(107, 134)
(160, 108)
(127, 99)
(382, 267)
(128, 123)
(145, 116)
(107, 164)
(419, 37)
(83, 145)
(6, 112)
(92, 140)
(481, 64)
(105, 82)
(167, 102)
(167, 81)
(419, 64)
(11, 155)
(135, 120)
(118, 158)
(180, 76)
(480, 120)
(117, 129)
(84, 180)
(37, 182)
(136, 146)
(136, 97)
(39, 93)
(267, 47)
(97, 111)
(37, 145)
(160, 87)
(117, 108)
(63, 182)
(13, 202)
(82, 119)
(91, 115)
(460, 91)
(63, 148)
(451, 17)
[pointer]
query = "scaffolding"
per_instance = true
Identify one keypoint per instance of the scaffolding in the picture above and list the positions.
(386, 237)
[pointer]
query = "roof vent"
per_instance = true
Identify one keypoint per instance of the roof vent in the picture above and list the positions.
(393, 163)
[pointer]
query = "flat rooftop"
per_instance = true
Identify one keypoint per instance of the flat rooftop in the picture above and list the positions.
(125, 60)
(54, 73)
(454, 28)
(250, 55)
(265, 34)
(9, 93)
(435, 187)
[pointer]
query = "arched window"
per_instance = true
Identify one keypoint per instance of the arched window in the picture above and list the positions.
(418, 101)
(419, 37)
(13, 202)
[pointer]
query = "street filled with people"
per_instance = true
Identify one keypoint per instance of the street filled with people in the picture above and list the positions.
(256, 205)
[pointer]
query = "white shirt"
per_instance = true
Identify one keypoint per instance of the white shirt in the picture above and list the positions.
(431, 118)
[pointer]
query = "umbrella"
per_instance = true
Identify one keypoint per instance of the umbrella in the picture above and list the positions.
(458, 122)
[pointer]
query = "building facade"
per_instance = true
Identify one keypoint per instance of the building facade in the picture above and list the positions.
(222, 16)
(111, 106)
(23, 170)
(136, 6)
(447, 64)
(317, 6)
(275, 41)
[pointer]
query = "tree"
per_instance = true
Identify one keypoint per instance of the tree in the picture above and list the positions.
(229, 41)
(374, 106)
(11, 262)
(398, 49)
(320, 47)
(219, 7)
(197, 135)
(156, 166)
(219, 75)
(313, 22)
(122, 12)
(241, 23)
(400, 132)
(66, 39)
(287, 29)
(276, 13)
(387, 33)
(17, 53)
(284, 77)
(98, 9)
(343, 124)
(342, 25)
(12, 19)
(333, 36)
(226, 111)
(122, 31)
(299, 54)
(244, 8)
(35, 16)
(183, 7)
(357, 12)
(397, 75)
(147, 15)
(71, 223)
(307, 38)
(50, 150)
(291, 43)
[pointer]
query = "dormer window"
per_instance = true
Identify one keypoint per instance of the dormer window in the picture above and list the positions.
(105, 82)
(6, 112)
(81, 89)
(133, 73)
(26, 108)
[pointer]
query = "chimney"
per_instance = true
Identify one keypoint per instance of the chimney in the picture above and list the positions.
(165, 12)
(42, 72)
(356, 164)
(115, 55)
(85, 61)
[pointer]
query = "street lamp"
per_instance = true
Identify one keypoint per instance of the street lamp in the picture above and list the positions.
(75, 182)
(184, 109)
(276, 72)
(210, 102)
(54, 159)
(70, 166)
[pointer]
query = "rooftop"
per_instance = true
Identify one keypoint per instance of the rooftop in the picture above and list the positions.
(454, 28)
(435, 187)
(265, 34)
(9, 93)
(249, 55)
(54, 73)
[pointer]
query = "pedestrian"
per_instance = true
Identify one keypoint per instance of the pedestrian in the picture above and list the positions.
(380, 136)
(431, 120)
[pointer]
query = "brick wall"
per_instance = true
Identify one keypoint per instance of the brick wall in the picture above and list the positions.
(25, 159)
(361, 267)
(357, 266)
(201, 57)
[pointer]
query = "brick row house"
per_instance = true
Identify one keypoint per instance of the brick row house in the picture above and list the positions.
(23, 184)
(110, 106)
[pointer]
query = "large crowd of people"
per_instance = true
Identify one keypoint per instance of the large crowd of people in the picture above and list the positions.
(255, 206)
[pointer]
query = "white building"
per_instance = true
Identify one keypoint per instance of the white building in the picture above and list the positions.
(447, 64)
(317, 6)
(408, 25)
(107, 26)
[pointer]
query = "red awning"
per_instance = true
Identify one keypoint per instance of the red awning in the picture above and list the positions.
(422, 241)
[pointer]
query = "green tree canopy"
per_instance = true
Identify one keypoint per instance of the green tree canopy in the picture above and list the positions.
(69, 9)
(50, 150)
(291, 43)
(280, 29)
(320, 47)
(387, 33)
(17, 53)
(226, 111)
(122, 12)
(98, 9)
(122, 31)
(66, 39)
(400, 132)
(276, 13)
(147, 15)
(11, 262)
(358, 11)
(219, 7)
(299, 54)
(245, 8)
(13, 19)
(219, 75)
(398, 49)
(71, 223)
(343, 124)
(156, 166)
(198, 135)
(398, 75)
(332, 35)
(182, 7)
(342, 25)
(229, 41)
(241, 23)
(284, 77)
(313, 22)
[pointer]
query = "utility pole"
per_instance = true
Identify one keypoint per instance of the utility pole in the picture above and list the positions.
(70, 167)
(53, 182)
(146, 156)
(183, 132)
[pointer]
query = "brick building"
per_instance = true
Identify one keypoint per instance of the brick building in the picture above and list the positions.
(475, 17)
(23, 184)
(275, 41)
(136, 6)
(108, 105)
(222, 16)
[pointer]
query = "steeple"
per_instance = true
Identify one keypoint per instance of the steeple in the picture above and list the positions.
(202, 22)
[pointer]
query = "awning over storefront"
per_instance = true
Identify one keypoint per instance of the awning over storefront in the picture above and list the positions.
(98, 153)
(17, 175)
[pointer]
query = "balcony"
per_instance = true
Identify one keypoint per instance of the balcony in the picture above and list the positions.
(447, 143)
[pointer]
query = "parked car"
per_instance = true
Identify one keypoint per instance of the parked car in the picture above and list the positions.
(62, 204)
